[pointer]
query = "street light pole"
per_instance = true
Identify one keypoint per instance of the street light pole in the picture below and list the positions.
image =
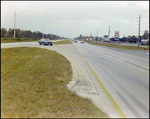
(97, 35)
(14, 23)
(109, 32)
(52, 34)
(43, 31)
(139, 30)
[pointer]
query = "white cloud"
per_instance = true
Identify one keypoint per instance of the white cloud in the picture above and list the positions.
(95, 21)
(73, 18)
(144, 4)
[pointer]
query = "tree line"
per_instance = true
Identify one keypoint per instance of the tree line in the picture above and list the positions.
(144, 36)
(26, 34)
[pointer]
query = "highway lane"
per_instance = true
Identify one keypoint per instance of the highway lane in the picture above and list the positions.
(125, 75)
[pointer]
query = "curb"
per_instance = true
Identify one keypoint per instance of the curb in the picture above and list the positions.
(81, 82)
(75, 73)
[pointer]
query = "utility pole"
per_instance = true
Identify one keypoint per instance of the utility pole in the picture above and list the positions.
(14, 22)
(109, 32)
(97, 35)
(43, 31)
(52, 34)
(139, 30)
(87, 34)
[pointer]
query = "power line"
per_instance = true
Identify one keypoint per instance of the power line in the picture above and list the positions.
(125, 26)
(128, 23)
(19, 20)
(28, 22)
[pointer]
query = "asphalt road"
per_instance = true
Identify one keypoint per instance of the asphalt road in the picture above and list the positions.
(124, 74)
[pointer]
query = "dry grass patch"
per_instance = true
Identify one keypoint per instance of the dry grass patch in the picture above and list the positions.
(33, 84)
(117, 46)
(63, 42)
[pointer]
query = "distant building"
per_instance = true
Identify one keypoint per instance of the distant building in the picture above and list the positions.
(144, 42)
(116, 36)
(80, 37)
(105, 36)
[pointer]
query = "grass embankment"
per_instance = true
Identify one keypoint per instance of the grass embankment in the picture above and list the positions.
(117, 46)
(10, 40)
(33, 84)
(63, 42)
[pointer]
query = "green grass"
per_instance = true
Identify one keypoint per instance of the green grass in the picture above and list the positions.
(10, 40)
(63, 42)
(33, 84)
(117, 46)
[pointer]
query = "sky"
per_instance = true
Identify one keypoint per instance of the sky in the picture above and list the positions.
(74, 18)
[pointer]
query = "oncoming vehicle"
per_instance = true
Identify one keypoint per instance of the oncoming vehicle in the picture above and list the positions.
(45, 42)
(75, 41)
(82, 41)
(106, 40)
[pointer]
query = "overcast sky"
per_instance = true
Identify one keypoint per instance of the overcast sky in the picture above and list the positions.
(70, 19)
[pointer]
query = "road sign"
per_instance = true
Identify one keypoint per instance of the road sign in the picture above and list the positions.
(117, 33)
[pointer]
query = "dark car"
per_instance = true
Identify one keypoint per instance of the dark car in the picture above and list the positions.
(75, 41)
(45, 42)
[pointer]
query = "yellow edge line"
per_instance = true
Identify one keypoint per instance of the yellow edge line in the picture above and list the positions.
(117, 108)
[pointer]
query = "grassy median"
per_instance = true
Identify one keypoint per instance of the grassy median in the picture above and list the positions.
(117, 46)
(63, 42)
(33, 84)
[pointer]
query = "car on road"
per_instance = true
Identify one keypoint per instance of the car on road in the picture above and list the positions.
(106, 40)
(75, 41)
(45, 41)
(82, 41)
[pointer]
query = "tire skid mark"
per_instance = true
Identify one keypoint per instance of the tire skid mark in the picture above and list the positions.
(137, 66)
(110, 55)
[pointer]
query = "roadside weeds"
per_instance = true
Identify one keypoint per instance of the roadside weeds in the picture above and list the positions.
(117, 46)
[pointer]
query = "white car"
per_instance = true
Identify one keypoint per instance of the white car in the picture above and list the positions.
(82, 41)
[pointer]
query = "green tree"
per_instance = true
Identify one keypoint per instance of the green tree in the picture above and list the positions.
(3, 31)
(129, 36)
(133, 37)
(6, 35)
(129, 40)
(146, 34)
(11, 32)
(140, 37)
